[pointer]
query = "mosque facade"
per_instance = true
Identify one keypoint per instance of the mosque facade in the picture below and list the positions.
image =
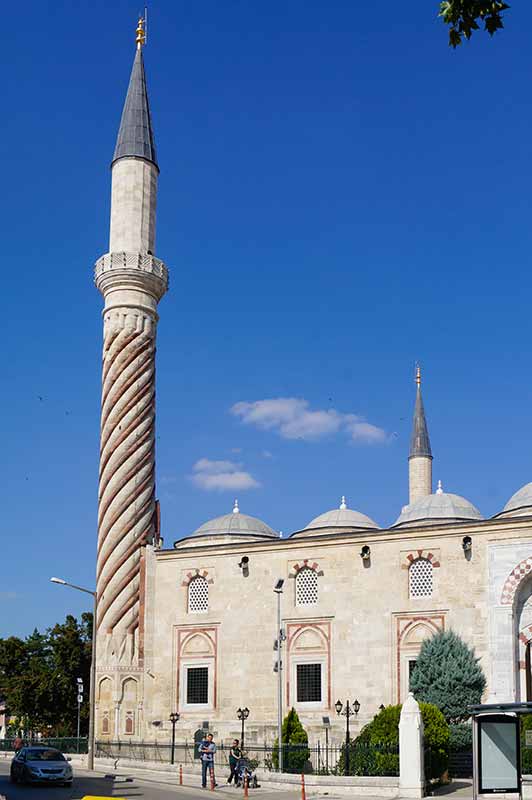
(189, 627)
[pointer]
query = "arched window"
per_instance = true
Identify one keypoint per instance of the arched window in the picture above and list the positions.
(198, 595)
(306, 587)
(420, 578)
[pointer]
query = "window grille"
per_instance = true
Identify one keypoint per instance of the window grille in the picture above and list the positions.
(198, 685)
(420, 578)
(309, 683)
(198, 596)
(306, 587)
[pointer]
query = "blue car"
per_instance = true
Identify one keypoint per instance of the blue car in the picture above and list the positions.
(37, 764)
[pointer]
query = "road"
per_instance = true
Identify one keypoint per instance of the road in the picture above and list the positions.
(86, 783)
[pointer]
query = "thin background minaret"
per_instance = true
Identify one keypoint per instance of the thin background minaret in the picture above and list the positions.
(132, 281)
(420, 458)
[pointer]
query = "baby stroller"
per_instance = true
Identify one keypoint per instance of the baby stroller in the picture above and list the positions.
(243, 771)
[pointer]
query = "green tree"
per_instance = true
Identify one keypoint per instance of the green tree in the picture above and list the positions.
(38, 676)
(295, 744)
(465, 16)
(448, 675)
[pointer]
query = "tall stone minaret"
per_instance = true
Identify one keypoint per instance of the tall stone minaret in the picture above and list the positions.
(420, 458)
(132, 281)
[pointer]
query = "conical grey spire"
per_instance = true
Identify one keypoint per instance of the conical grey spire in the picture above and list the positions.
(420, 442)
(135, 137)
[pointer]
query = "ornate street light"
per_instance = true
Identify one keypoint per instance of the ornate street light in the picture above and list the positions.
(174, 716)
(349, 711)
(242, 714)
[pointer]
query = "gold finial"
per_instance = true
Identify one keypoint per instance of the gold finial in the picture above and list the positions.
(418, 375)
(141, 33)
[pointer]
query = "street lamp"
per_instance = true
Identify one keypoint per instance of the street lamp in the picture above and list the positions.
(242, 714)
(174, 716)
(281, 636)
(92, 688)
(349, 711)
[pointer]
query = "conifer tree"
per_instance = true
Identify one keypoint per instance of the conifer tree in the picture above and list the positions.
(295, 744)
(448, 675)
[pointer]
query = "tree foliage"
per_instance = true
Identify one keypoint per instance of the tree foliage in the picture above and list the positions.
(38, 677)
(448, 675)
(466, 16)
(295, 744)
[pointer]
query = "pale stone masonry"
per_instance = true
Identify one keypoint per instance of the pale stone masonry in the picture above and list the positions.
(191, 628)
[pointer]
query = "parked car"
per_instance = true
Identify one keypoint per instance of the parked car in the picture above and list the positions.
(37, 764)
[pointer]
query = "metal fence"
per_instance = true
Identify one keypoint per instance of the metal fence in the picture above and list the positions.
(364, 759)
(65, 745)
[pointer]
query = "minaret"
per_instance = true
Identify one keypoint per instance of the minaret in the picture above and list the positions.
(420, 458)
(132, 281)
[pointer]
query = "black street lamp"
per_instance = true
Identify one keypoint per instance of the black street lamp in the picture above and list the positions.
(349, 711)
(173, 719)
(242, 714)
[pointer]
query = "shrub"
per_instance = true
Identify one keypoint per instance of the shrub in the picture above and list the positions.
(375, 751)
(461, 737)
(295, 744)
(448, 675)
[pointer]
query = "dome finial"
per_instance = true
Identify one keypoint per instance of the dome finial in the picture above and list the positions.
(343, 504)
(439, 490)
(418, 373)
(141, 33)
(236, 509)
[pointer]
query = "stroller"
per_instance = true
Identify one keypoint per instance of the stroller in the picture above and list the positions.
(243, 771)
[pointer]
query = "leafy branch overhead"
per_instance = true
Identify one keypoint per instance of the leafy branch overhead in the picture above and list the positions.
(466, 16)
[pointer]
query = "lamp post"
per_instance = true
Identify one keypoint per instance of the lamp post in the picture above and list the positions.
(174, 716)
(92, 688)
(242, 714)
(349, 711)
(281, 636)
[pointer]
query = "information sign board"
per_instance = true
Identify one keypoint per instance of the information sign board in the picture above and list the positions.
(498, 754)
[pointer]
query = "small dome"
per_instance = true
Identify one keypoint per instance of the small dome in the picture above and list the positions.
(236, 524)
(441, 506)
(520, 503)
(342, 517)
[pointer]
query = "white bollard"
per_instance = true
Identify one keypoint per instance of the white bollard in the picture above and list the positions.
(411, 750)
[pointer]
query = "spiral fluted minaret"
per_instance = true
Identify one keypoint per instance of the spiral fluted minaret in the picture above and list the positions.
(132, 281)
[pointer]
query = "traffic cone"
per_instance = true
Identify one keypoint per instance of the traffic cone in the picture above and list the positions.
(246, 787)
(303, 795)
(181, 774)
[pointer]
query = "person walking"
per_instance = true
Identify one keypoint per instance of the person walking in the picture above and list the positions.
(18, 744)
(234, 757)
(207, 751)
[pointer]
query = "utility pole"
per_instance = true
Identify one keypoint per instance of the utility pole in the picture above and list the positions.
(281, 636)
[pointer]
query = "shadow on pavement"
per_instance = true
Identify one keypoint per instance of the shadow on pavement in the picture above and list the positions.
(104, 787)
(462, 788)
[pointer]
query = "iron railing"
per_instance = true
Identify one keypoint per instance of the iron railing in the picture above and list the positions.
(364, 759)
(65, 745)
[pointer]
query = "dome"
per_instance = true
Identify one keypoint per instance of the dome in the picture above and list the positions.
(441, 506)
(235, 524)
(520, 502)
(341, 517)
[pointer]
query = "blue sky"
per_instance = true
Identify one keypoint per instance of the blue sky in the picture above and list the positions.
(340, 195)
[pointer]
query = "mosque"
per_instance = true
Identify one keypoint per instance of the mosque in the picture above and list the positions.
(189, 627)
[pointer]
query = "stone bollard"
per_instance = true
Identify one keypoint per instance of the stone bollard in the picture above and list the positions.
(411, 750)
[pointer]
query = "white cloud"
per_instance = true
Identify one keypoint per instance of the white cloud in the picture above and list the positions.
(292, 418)
(221, 475)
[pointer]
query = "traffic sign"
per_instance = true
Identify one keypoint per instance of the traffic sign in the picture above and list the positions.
(80, 698)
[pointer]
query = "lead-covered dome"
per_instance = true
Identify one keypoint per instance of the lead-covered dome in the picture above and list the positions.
(230, 527)
(441, 507)
(342, 517)
(520, 503)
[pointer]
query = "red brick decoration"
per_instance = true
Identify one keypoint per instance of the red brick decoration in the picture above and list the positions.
(309, 564)
(436, 622)
(415, 554)
(198, 572)
(513, 580)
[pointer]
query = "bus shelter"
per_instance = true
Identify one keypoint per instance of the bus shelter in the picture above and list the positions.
(497, 748)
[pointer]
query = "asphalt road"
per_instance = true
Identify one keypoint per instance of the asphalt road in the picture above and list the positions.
(97, 785)
(86, 783)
